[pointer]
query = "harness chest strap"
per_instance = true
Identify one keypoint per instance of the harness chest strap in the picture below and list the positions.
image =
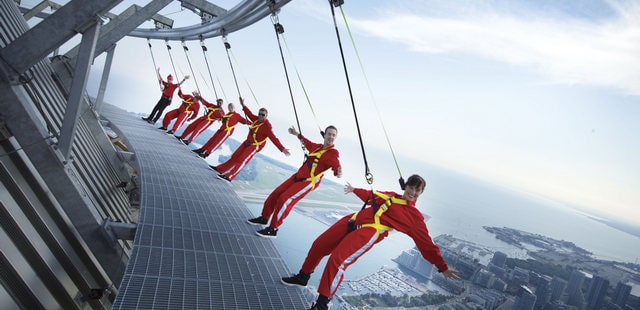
(389, 200)
(254, 127)
(313, 178)
(210, 112)
(189, 102)
(225, 121)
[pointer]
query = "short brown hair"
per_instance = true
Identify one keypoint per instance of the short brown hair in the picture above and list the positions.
(416, 181)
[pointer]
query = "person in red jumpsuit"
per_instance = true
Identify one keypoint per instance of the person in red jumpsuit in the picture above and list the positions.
(355, 234)
(229, 122)
(321, 157)
(188, 109)
(259, 131)
(168, 88)
(214, 112)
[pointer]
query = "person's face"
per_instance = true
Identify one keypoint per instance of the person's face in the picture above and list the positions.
(262, 115)
(411, 193)
(330, 136)
(169, 79)
(231, 107)
(219, 103)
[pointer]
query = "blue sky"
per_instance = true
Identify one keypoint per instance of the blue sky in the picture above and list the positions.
(540, 96)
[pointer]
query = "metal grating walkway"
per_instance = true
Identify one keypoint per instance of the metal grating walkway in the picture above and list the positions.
(193, 248)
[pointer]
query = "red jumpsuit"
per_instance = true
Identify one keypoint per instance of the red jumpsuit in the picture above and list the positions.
(229, 122)
(347, 247)
(189, 107)
(307, 178)
(255, 142)
(214, 112)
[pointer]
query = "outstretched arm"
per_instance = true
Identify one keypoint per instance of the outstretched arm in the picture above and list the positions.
(183, 79)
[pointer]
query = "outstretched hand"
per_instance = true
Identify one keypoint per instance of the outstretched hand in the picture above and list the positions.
(339, 172)
(348, 188)
(450, 274)
(286, 152)
(293, 131)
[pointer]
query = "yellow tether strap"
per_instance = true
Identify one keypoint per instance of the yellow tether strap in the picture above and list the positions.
(312, 177)
(225, 120)
(376, 218)
(255, 132)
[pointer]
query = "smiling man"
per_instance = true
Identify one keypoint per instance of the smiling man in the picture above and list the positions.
(353, 235)
(321, 157)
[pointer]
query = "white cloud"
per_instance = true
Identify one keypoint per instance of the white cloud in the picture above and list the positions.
(566, 49)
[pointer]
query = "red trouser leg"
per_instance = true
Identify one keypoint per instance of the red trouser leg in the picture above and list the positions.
(351, 247)
(168, 117)
(249, 153)
(190, 128)
(180, 121)
(324, 244)
(216, 141)
(200, 127)
(236, 159)
(283, 198)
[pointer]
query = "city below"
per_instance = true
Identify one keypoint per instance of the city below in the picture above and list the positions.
(553, 274)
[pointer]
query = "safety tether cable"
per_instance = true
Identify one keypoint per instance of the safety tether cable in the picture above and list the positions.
(279, 30)
(154, 62)
(175, 72)
(355, 48)
(368, 175)
(227, 47)
(186, 54)
(206, 60)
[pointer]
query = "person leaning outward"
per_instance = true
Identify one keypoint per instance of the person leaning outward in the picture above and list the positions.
(259, 131)
(214, 112)
(188, 109)
(280, 202)
(168, 88)
(355, 234)
(229, 122)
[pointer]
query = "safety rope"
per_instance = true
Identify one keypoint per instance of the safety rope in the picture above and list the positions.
(227, 47)
(154, 63)
(279, 29)
(355, 48)
(186, 54)
(206, 60)
(175, 72)
(368, 175)
(304, 89)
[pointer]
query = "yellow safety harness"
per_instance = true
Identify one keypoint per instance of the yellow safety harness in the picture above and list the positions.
(388, 201)
(254, 127)
(210, 112)
(313, 178)
(189, 102)
(225, 121)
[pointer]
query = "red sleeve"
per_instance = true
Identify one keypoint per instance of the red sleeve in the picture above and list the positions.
(334, 161)
(273, 137)
(250, 115)
(207, 103)
(417, 230)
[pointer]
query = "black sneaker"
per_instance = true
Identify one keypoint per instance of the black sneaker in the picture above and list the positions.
(223, 177)
(267, 232)
(145, 119)
(203, 155)
(258, 221)
(185, 141)
(169, 132)
(322, 303)
(214, 168)
(319, 306)
(162, 128)
(150, 121)
(300, 279)
(197, 151)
